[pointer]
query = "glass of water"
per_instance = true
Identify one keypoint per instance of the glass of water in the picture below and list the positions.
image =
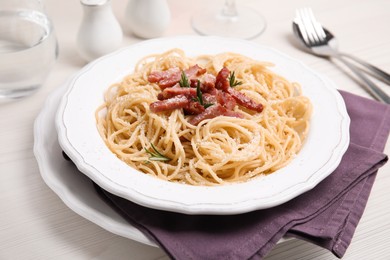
(28, 47)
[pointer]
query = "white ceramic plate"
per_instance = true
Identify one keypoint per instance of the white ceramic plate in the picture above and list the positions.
(73, 187)
(78, 136)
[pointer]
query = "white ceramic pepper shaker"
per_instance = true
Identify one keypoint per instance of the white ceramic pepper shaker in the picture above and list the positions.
(99, 32)
(147, 18)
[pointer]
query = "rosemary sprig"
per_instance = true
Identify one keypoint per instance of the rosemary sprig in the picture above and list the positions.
(199, 96)
(207, 105)
(232, 80)
(155, 155)
(184, 82)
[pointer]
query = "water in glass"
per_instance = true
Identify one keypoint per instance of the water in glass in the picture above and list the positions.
(28, 50)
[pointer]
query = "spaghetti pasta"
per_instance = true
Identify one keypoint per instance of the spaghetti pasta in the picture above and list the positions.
(233, 147)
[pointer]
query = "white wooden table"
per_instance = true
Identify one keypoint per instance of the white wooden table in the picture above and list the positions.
(36, 224)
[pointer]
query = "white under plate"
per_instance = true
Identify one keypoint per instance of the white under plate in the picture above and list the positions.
(73, 187)
(327, 141)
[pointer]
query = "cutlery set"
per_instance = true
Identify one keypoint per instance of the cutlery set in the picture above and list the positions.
(321, 42)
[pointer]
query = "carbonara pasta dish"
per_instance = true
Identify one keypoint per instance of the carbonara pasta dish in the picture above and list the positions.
(205, 120)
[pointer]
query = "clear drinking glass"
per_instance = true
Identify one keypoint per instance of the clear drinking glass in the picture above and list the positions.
(230, 20)
(28, 47)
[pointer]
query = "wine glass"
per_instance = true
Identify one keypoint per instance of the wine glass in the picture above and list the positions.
(230, 21)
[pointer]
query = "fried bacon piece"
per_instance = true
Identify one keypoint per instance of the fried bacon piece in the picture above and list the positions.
(177, 91)
(210, 112)
(226, 100)
(244, 100)
(165, 79)
(222, 80)
(194, 71)
(169, 104)
(208, 83)
(194, 108)
(209, 98)
(169, 78)
(213, 111)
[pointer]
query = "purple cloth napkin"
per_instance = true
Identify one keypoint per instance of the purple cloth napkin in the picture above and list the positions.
(326, 215)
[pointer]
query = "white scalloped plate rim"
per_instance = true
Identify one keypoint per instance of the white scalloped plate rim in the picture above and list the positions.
(70, 185)
(79, 138)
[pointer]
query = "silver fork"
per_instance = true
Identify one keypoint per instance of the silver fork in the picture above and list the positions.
(322, 43)
(325, 35)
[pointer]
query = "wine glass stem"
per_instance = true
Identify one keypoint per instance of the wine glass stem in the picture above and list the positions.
(230, 9)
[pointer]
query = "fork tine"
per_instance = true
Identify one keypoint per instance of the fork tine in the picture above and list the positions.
(305, 26)
(308, 23)
(302, 29)
(317, 26)
(313, 31)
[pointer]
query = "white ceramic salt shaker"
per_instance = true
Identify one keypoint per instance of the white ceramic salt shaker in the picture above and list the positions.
(147, 18)
(99, 32)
